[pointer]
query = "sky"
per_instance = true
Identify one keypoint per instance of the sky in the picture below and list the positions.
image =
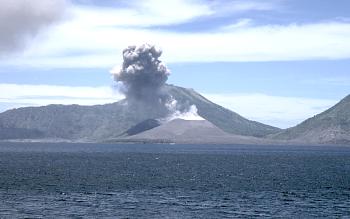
(275, 61)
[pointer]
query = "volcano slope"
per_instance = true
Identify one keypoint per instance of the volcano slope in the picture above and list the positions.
(181, 131)
(330, 127)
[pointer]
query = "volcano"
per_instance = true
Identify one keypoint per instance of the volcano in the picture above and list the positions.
(110, 121)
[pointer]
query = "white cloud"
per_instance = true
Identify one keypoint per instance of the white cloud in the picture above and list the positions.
(263, 43)
(330, 81)
(244, 22)
(14, 95)
(141, 13)
(148, 13)
(224, 7)
(278, 111)
(95, 38)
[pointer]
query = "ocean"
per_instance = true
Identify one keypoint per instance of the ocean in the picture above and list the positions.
(61, 180)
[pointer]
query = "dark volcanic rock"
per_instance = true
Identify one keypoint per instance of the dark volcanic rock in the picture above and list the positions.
(143, 126)
(20, 133)
(74, 122)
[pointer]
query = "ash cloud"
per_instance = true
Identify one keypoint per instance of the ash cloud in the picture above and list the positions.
(21, 20)
(142, 74)
(143, 77)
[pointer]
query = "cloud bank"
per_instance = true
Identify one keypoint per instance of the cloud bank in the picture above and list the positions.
(279, 111)
(22, 95)
(93, 36)
(244, 44)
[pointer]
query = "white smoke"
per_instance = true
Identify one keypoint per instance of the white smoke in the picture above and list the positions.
(142, 73)
(190, 114)
(21, 20)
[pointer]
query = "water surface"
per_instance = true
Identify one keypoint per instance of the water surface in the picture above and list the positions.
(173, 181)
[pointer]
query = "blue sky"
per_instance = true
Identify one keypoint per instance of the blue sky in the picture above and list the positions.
(274, 61)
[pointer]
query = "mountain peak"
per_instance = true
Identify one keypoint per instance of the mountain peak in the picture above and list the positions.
(329, 127)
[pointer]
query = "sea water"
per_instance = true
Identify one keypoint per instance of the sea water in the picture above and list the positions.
(61, 180)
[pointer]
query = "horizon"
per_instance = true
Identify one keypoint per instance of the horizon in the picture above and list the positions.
(278, 62)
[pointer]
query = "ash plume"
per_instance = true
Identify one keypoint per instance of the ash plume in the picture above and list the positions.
(21, 20)
(143, 77)
(143, 74)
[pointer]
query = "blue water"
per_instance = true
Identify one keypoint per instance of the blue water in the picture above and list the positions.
(173, 181)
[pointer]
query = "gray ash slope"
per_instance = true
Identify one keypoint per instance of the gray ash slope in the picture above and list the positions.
(100, 122)
(329, 127)
(193, 132)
